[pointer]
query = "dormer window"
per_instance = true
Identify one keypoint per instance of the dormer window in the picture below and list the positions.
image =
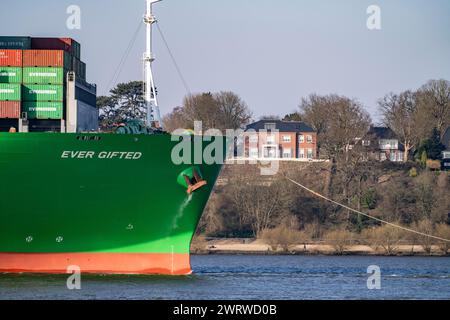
(270, 126)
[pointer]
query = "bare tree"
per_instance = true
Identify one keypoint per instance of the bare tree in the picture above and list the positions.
(399, 112)
(434, 100)
(201, 107)
(223, 110)
(258, 202)
(233, 111)
(339, 121)
(175, 120)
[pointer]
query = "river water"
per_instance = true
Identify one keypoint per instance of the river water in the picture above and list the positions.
(255, 277)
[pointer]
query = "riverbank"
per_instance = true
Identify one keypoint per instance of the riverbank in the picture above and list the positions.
(259, 247)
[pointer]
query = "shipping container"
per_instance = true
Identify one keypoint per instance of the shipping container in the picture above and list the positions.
(10, 75)
(79, 68)
(67, 44)
(85, 96)
(43, 75)
(10, 92)
(47, 58)
(76, 47)
(10, 58)
(43, 110)
(21, 43)
(9, 109)
(42, 92)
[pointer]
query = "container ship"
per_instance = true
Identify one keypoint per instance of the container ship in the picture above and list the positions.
(72, 196)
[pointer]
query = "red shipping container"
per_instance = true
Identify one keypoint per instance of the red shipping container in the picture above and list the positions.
(10, 58)
(9, 109)
(43, 58)
(67, 44)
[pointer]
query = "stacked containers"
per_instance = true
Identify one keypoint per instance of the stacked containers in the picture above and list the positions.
(66, 44)
(43, 83)
(33, 73)
(10, 83)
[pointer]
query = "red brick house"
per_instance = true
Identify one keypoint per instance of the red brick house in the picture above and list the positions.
(275, 139)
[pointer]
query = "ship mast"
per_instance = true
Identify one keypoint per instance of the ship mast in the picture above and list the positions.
(151, 101)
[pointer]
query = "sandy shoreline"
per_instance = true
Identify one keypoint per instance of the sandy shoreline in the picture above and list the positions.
(258, 247)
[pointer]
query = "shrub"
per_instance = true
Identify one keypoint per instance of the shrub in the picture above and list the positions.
(424, 159)
(434, 164)
(426, 227)
(283, 237)
(443, 231)
(340, 240)
(387, 237)
(413, 173)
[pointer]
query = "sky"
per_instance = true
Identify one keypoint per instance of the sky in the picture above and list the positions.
(271, 53)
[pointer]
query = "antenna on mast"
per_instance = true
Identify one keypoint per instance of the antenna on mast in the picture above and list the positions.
(151, 101)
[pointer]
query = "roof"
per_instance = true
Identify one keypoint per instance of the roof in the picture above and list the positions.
(282, 126)
(446, 139)
(382, 133)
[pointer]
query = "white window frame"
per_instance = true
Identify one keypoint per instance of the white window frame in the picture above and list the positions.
(301, 138)
(254, 153)
(310, 154)
(271, 139)
(253, 138)
(287, 139)
(309, 139)
(286, 154)
(270, 147)
(301, 153)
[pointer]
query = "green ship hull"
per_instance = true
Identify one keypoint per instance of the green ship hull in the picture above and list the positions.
(102, 202)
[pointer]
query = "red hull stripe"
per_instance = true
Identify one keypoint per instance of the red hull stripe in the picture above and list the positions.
(100, 263)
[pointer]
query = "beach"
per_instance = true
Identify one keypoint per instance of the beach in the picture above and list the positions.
(258, 247)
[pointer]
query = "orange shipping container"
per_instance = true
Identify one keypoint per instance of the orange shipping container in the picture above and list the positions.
(9, 109)
(46, 58)
(10, 58)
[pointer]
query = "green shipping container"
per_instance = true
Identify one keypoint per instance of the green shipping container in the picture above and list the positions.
(42, 92)
(42, 75)
(10, 75)
(10, 92)
(43, 110)
(21, 43)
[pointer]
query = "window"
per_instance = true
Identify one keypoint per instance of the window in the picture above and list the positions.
(270, 152)
(301, 138)
(393, 156)
(287, 153)
(309, 139)
(366, 143)
(310, 153)
(286, 138)
(253, 138)
(271, 139)
(301, 154)
(270, 126)
(388, 144)
(254, 153)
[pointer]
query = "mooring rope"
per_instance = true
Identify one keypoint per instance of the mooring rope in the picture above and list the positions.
(365, 214)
